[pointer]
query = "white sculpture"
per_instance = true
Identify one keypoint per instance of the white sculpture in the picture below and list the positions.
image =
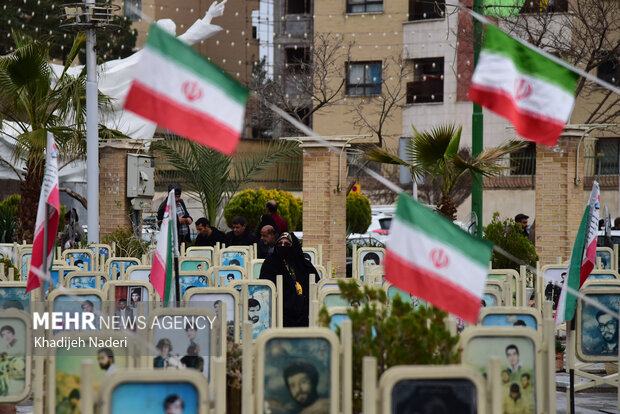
(115, 77)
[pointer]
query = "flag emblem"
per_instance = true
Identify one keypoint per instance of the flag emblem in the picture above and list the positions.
(439, 258)
(192, 91)
(523, 89)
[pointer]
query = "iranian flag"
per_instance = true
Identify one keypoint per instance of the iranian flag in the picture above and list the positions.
(49, 206)
(162, 269)
(582, 258)
(180, 90)
(431, 258)
(534, 93)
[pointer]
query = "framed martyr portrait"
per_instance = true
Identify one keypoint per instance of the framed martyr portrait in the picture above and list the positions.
(77, 301)
(13, 296)
(510, 316)
(259, 304)
(117, 266)
(373, 256)
(15, 355)
(211, 299)
(82, 258)
(297, 370)
(148, 391)
(200, 251)
(519, 352)
(597, 331)
(440, 389)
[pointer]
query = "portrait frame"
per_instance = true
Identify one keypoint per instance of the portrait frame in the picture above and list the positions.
(503, 288)
(323, 334)
(516, 284)
(313, 253)
(494, 312)
(272, 300)
(236, 252)
(213, 336)
(254, 272)
(69, 254)
(51, 385)
(102, 282)
(23, 256)
(505, 336)
(19, 285)
(63, 270)
(409, 299)
(9, 250)
(361, 253)
(332, 282)
(221, 280)
(192, 377)
(135, 273)
(603, 274)
(186, 274)
(339, 313)
(56, 294)
(109, 291)
(126, 263)
(201, 252)
(395, 375)
(221, 291)
(497, 296)
(324, 295)
(194, 262)
(585, 315)
(25, 319)
(607, 258)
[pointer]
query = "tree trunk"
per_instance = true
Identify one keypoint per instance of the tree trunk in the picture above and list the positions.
(446, 207)
(29, 192)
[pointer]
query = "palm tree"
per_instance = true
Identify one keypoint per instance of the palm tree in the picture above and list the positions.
(36, 101)
(435, 154)
(212, 177)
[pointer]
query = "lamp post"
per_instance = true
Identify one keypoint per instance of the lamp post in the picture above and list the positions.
(90, 17)
(476, 128)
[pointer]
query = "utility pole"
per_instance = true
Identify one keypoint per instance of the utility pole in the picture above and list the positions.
(476, 127)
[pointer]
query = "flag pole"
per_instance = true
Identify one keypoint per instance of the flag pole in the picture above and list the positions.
(476, 128)
(44, 263)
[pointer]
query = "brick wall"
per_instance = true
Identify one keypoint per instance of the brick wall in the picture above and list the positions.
(560, 201)
(114, 206)
(324, 217)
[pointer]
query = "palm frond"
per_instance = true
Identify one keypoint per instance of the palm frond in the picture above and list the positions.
(384, 157)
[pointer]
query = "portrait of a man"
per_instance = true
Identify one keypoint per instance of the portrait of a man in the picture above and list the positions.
(608, 331)
(301, 379)
(105, 358)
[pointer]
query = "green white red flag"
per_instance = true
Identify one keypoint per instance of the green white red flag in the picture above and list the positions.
(162, 269)
(534, 93)
(49, 205)
(179, 89)
(582, 258)
(431, 258)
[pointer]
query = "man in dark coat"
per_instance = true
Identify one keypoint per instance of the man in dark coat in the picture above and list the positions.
(240, 235)
(207, 235)
(288, 260)
(183, 217)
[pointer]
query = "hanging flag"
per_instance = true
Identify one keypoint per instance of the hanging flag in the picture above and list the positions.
(180, 90)
(534, 93)
(582, 258)
(163, 262)
(434, 260)
(48, 197)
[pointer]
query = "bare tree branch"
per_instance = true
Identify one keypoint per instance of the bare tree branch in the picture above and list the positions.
(75, 195)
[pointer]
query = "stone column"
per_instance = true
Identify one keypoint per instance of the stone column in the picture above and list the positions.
(560, 195)
(114, 206)
(324, 199)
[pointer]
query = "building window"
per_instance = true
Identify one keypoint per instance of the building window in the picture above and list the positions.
(133, 14)
(364, 6)
(298, 6)
(427, 85)
(426, 9)
(545, 6)
(297, 59)
(609, 71)
(606, 156)
(363, 78)
(523, 161)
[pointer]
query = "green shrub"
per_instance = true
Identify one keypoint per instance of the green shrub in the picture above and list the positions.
(8, 264)
(61, 221)
(8, 218)
(506, 235)
(395, 333)
(127, 245)
(251, 205)
(358, 213)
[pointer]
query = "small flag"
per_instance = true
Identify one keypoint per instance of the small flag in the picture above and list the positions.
(163, 261)
(48, 197)
(582, 258)
(180, 90)
(535, 94)
(434, 260)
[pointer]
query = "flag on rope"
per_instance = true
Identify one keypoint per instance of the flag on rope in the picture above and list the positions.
(431, 258)
(534, 93)
(180, 90)
(48, 197)
(582, 258)
(163, 261)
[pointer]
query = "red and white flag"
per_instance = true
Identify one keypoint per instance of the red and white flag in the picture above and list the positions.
(49, 197)
(163, 262)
